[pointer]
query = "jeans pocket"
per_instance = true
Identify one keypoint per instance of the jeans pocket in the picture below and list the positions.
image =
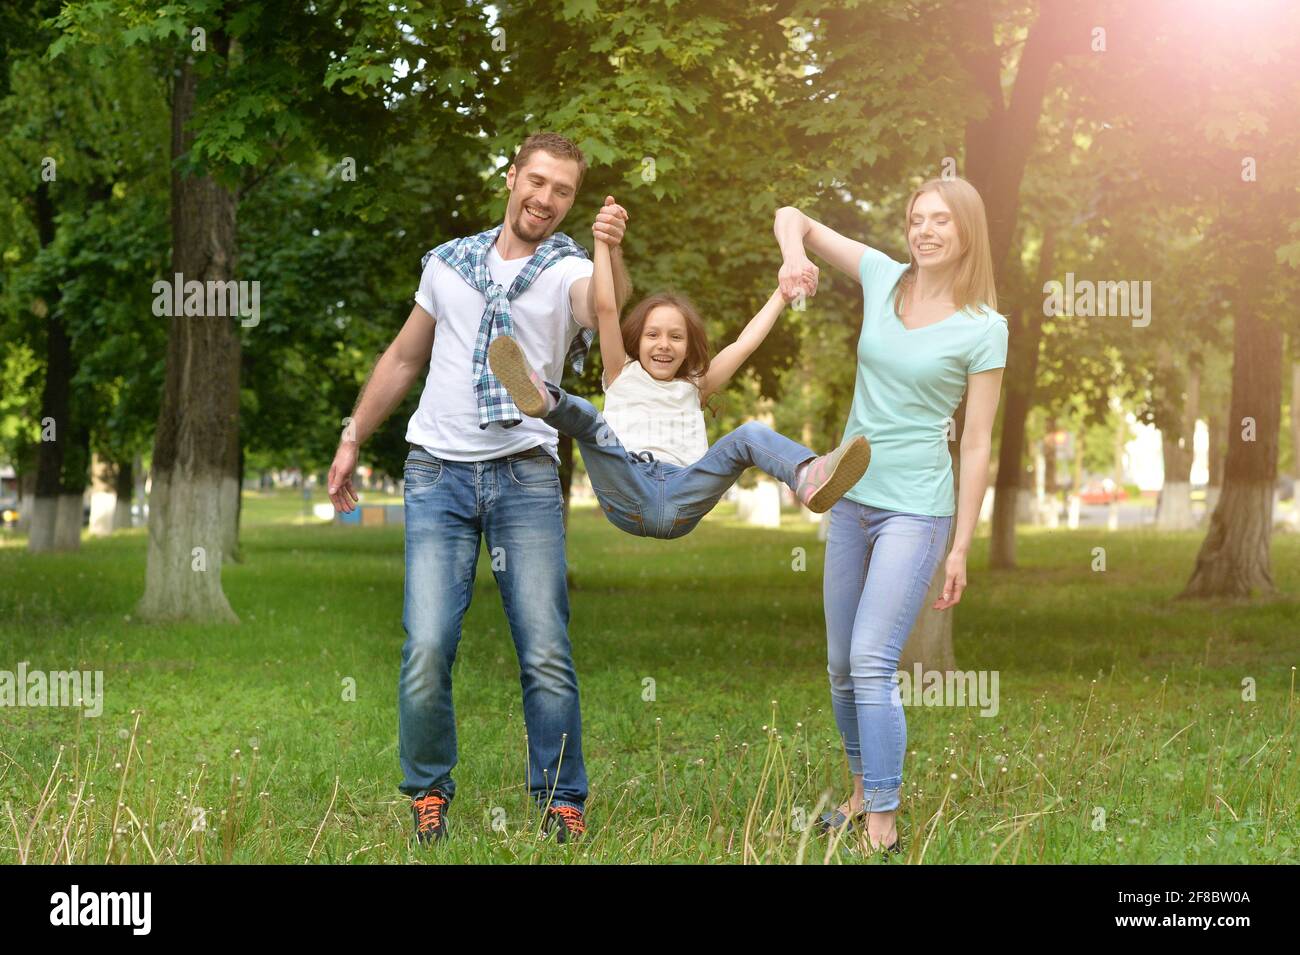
(687, 516)
(621, 511)
(421, 471)
(535, 471)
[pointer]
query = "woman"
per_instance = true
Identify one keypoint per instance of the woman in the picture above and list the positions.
(930, 331)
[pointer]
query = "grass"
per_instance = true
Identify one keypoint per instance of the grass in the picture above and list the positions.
(1122, 734)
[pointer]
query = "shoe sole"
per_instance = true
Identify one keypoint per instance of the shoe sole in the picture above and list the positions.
(510, 366)
(848, 471)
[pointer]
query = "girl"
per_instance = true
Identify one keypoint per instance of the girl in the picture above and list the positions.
(649, 461)
(929, 332)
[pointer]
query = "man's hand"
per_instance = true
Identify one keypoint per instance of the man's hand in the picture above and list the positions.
(340, 477)
(797, 274)
(610, 224)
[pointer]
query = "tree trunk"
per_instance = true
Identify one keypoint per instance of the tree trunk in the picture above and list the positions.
(232, 498)
(1174, 508)
(103, 496)
(1022, 365)
(200, 402)
(56, 424)
(1234, 559)
(70, 511)
(1217, 431)
(1295, 426)
(124, 490)
(1020, 381)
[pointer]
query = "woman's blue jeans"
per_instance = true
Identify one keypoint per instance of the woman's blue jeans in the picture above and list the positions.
(652, 498)
(878, 569)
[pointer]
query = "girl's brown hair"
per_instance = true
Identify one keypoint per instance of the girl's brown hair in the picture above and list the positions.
(974, 282)
(698, 354)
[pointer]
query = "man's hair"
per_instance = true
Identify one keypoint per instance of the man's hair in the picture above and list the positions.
(555, 144)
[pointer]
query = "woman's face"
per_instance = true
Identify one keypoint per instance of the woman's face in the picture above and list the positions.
(663, 342)
(932, 232)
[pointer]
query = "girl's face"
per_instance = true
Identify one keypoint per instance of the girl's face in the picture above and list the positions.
(663, 342)
(932, 233)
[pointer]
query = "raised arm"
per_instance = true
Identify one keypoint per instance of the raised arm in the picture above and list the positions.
(389, 381)
(728, 361)
(795, 232)
(610, 224)
(606, 307)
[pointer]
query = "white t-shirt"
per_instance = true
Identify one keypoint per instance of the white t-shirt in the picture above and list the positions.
(446, 422)
(662, 417)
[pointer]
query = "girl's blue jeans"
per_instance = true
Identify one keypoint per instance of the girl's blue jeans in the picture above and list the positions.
(652, 498)
(878, 568)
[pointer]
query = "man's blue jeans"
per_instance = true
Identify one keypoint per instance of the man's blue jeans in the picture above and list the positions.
(652, 498)
(878, 569)
(514, 503)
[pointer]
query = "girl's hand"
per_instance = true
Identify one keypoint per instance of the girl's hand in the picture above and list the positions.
(954, 581)
(610, 224)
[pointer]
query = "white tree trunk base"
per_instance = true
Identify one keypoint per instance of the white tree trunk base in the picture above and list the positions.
(67, 523)
(1174, 509)
(40, 528)
(121, 514)
(1234, 560)
(103, 504)
(180, 582)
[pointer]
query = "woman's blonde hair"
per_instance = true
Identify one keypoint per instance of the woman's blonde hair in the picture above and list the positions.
(974, 283)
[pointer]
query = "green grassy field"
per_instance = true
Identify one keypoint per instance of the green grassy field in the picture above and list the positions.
(1122, 735)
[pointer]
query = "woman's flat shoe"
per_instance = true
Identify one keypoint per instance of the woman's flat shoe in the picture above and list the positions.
(838, 820)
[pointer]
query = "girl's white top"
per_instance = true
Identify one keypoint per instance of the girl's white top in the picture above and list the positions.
(662, 417)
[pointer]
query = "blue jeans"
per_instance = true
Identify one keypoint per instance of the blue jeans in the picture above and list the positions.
(515, 503)
(652, 498)
(878, 569)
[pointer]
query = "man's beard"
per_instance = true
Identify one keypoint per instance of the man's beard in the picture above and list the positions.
(521, 227)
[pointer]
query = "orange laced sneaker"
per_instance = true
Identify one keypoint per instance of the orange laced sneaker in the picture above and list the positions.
(430, 812)
(565, 822)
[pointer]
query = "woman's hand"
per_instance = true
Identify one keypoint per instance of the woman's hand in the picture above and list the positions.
(954, 580)
(797, 274)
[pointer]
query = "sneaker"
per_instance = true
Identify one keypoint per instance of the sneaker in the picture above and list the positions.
(430, 813)
(827, 478)
(526, 387)
(565, 823)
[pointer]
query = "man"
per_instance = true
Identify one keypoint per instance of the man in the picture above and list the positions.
(480, 469)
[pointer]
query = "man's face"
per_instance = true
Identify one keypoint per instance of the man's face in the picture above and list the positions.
(541, 193)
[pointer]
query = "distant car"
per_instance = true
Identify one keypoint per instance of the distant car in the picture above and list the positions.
(1102, 491)
(8, 510)
(1286, 486)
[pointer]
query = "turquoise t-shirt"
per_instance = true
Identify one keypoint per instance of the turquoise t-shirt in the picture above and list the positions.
(909, 383)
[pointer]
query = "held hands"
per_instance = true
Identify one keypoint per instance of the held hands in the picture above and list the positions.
(954, 581)
(610, 224)
(797, 275)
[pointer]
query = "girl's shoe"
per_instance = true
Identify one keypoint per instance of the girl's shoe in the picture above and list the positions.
(526, 387)
(827, 478)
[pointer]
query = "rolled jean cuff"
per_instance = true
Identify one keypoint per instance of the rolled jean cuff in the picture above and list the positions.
(881, 800)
